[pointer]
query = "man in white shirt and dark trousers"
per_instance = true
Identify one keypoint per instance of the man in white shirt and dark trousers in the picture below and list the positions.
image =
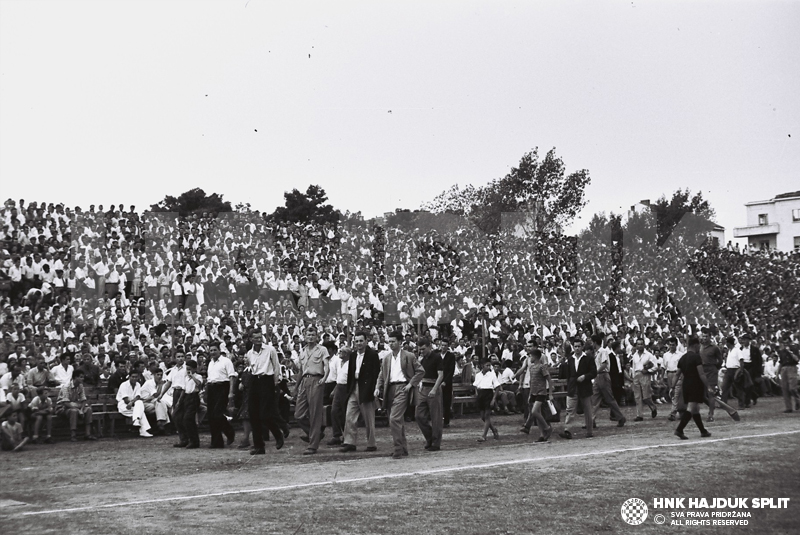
(671, 358)
(338, 375)
(176, 380)
(191, 403)
(733, 363)
(262, 404)
(220, 395)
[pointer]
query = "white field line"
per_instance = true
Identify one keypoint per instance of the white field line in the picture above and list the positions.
(433, 471)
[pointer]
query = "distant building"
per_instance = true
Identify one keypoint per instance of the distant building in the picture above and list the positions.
(773, 224)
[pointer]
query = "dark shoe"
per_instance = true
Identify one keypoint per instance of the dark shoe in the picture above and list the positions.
(681, 436)
(90, 437)
(346, 448)
(309, 451)
(622, 422)
(180, 445)
(193, 446)
(526, 430)
(654, 412)
(244, 446)
(258, 451)
(705, 434)
(304, 438)
(671, 418)
(446, 425)
(231, 439)
(496, 434)
(548, 433)
(372, 448)
(335, 442)
(48, 440)
(638, 419)
(565, 434)
(74, 438)
(217, 447)
(710, 419)
(286, 433)
(540, 439)
(278, 442)
(788, 410)
(433, 448)
(396, 456)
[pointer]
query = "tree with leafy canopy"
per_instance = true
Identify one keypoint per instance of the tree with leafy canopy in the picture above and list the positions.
(191, 202)
(669, 213)
(539, 188)
(308, 207)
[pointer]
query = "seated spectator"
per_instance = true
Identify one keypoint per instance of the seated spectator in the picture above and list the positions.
(63, 372)
(130, 404)
(91, 371)
(154, 403)
(72, 404)
(13, 377)
(39, 376)
(19, 404)
(42, 408)
(11, 433)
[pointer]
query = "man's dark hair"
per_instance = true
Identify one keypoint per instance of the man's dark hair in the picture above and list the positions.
(77, 373)
(191, 364)
(693, 341)
(360, 333)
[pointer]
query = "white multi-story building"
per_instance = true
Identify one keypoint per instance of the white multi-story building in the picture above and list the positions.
(773, 224)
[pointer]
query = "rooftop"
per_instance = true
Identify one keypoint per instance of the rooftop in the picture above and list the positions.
(781, 197)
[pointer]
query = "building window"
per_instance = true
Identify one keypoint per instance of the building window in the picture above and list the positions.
(764, 245)
(763, 220)
(797, 243)
(796, 214)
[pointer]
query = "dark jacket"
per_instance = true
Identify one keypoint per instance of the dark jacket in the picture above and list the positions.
(367, 375)
(449, 359)
(586, 368)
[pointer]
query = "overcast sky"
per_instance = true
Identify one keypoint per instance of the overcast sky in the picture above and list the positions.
(386, 106)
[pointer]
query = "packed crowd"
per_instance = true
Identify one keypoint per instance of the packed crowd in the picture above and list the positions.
(115, 292)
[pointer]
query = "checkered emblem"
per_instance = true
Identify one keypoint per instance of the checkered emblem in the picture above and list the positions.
(634, 511)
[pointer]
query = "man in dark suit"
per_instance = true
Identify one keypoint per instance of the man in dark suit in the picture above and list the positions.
(580, 371)
(449, 359)
(755, 368)
(617, 372)
(362, 377)
(399, 374)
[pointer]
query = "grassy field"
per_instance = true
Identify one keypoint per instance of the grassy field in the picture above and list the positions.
(506, 486)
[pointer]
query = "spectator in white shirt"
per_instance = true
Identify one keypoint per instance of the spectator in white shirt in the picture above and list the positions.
(487, 385)
(62, 374)
(734, 366)
(130, 404)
